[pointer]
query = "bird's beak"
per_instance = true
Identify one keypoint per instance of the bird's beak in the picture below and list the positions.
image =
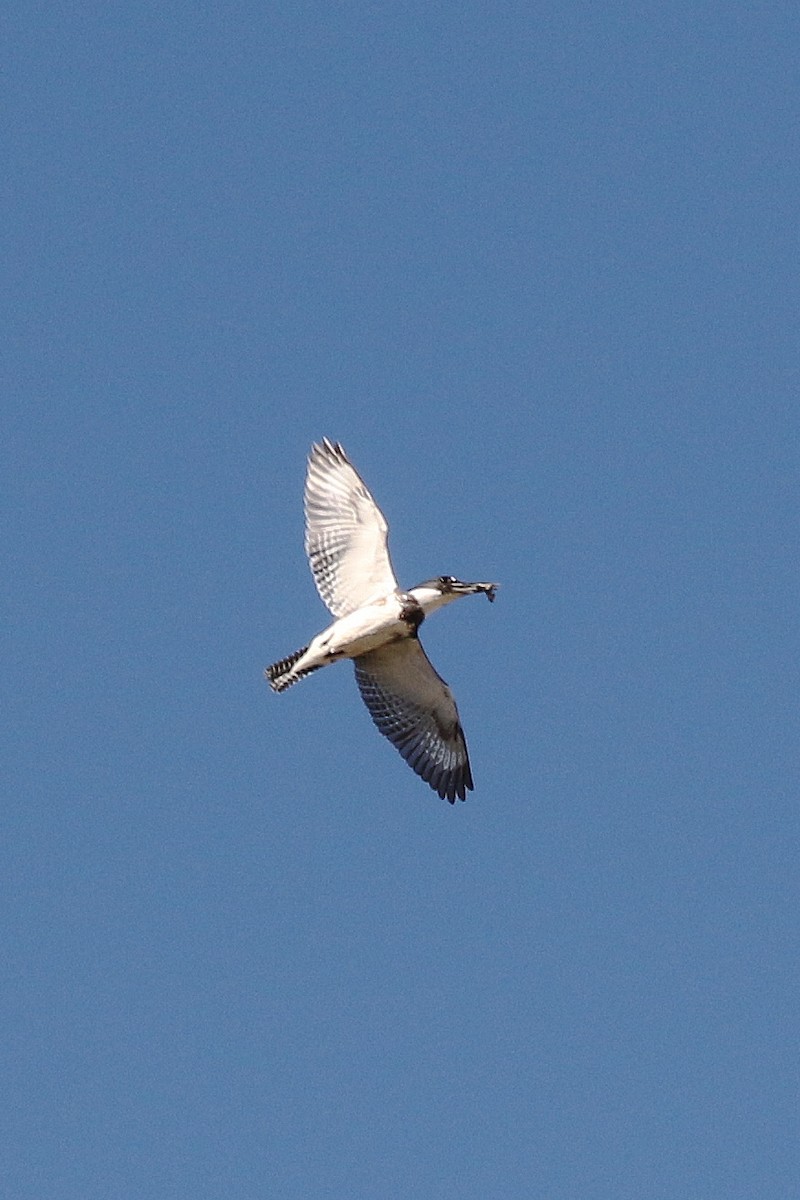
(472, 589)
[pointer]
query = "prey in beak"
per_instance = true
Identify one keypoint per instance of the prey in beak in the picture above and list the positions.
(449, 584)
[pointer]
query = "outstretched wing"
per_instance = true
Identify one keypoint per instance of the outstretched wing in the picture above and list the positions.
(414, 708)
(345, 533)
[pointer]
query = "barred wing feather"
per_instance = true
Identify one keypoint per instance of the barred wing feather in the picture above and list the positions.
(346, 533)
(414, 708)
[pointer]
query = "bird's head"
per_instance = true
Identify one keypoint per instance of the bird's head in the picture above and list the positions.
(433, 593)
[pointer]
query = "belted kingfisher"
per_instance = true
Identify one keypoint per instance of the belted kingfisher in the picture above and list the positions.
(377, 624)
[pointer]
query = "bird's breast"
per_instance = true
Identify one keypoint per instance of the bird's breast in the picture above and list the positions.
(411, 611)
(375, 625)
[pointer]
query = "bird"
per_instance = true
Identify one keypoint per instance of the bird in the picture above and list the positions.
(376, 624)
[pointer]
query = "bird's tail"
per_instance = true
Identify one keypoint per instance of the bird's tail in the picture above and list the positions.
(282, 675)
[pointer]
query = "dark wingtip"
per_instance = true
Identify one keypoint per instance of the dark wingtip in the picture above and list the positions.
(328, 449)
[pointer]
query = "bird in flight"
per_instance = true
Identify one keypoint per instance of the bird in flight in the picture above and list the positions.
(377, 624)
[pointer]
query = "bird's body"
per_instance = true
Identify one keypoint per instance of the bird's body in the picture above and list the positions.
(366, 629)
(377, 624)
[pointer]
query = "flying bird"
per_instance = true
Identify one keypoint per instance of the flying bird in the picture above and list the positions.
(377, 624)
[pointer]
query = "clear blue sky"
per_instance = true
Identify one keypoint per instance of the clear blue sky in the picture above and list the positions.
(536, 266)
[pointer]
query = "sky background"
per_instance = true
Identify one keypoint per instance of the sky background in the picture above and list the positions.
(536, 266)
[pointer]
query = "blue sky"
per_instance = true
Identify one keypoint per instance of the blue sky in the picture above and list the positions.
(537, 269)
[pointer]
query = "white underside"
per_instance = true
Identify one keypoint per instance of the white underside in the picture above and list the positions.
(365, 629)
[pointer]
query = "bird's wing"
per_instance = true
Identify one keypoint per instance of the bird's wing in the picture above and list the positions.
(414, 708)
(345, 533)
